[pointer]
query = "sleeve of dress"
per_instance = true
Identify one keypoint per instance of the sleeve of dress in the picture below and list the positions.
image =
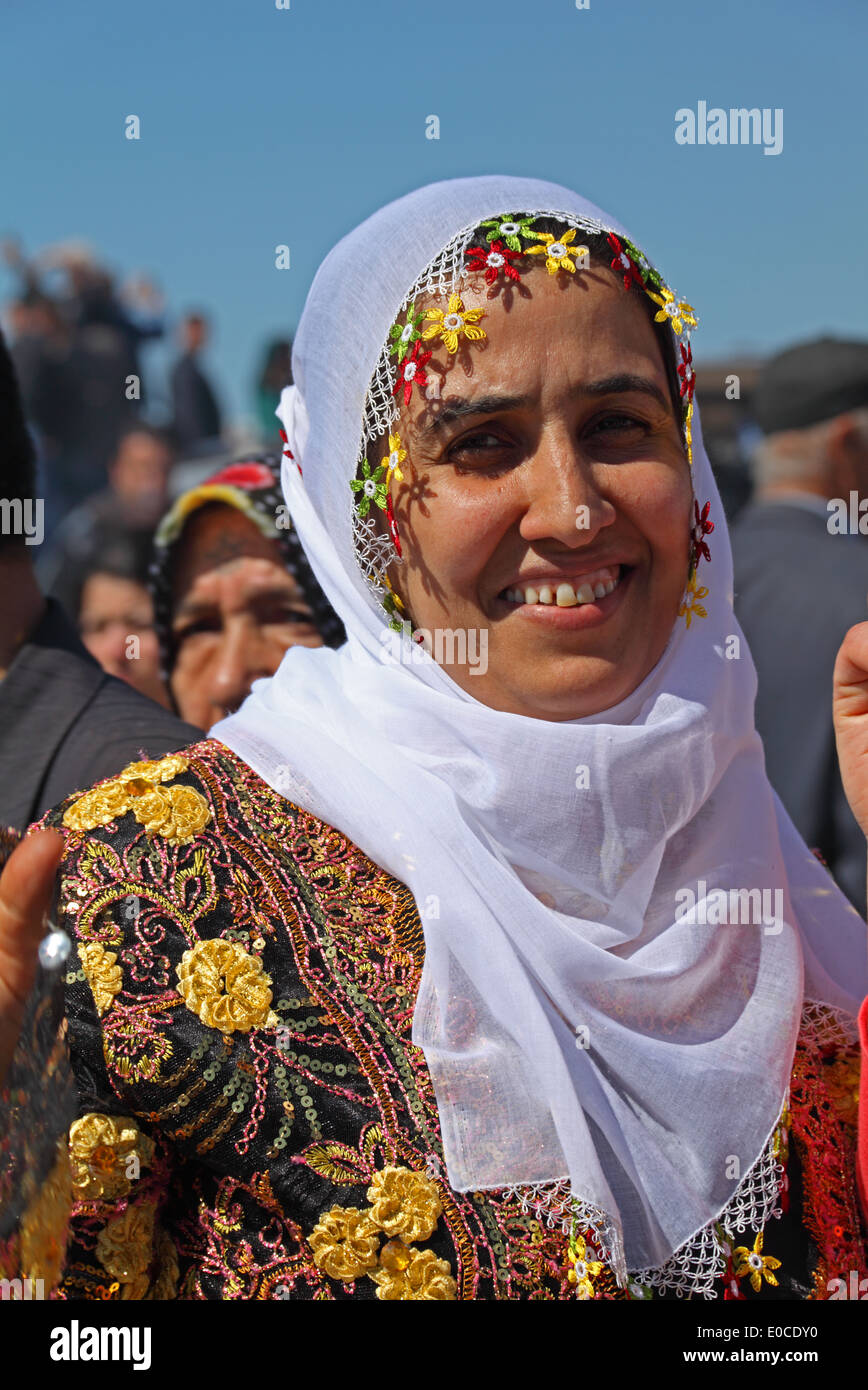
(172, 1042)
(121, 1144)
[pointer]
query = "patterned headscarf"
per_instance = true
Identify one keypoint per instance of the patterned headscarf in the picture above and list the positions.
(252, 486)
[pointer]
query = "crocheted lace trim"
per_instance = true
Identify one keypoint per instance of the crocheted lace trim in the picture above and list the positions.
(696, 1268)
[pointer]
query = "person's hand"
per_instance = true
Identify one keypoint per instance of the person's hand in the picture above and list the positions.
(850, 707)
(144, 294)
(26, 888)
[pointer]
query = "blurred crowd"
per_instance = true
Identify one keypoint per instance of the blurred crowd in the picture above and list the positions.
(111, 452)
(165, 559)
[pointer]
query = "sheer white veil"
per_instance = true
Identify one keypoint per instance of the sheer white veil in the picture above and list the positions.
(577, 1024)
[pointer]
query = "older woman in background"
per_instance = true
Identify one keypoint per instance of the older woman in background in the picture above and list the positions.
(232, 590)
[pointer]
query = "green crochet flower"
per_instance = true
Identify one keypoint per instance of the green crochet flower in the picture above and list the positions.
(642, 264)
(404, 335)
(508, 230)
(371, 486)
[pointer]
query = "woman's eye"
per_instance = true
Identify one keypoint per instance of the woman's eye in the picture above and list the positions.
(194, 629)
(481, 442)
(618, 424)
(482, 451)
(286, 615)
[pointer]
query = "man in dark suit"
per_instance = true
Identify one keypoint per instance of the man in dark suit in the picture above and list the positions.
(64, 724)
(800, 583)
(196, 414)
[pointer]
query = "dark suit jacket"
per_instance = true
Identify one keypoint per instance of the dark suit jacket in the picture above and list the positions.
(797, 591)
(195, 408)
(65, 724)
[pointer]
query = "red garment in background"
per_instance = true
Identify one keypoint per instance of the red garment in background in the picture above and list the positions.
(862, 1169)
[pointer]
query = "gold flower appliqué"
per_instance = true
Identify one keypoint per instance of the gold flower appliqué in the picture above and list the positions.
(177, 814)
(405, 1206)
(226, 986)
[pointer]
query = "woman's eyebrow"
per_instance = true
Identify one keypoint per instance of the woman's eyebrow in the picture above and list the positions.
(625, 382)
(459, 407)
(279, 594)
(193, 608)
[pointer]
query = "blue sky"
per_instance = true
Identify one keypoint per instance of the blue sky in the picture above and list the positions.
(262, 126)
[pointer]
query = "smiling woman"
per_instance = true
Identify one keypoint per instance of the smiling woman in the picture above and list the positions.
(530, 466)
(394, 967)
(547, 488)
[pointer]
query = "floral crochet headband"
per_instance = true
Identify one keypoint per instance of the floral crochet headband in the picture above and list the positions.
(501, 249)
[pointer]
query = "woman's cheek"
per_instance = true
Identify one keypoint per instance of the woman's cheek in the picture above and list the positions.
(663, 511)
(150, 648)
(462, 524)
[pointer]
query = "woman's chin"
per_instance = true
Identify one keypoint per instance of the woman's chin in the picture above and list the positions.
(570, 692)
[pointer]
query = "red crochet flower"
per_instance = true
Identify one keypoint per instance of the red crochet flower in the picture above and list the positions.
(393, 526)
(703, 527)
(686, 372)
(245, 475)
(411, 373)
(623, 263)
(495, 260)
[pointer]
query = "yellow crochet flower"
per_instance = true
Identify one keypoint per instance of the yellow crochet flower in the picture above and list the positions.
(558, 251)
(103, 1150)
(225, 986)
(124, 1246)
(677, 311)
(691, 607)
(394, 458)
(455, 323)
(103, 974)
(423, 1277)
(98, 807)
(404, 1202)
(755, 1263)
(345, 1243)
(582, 1271)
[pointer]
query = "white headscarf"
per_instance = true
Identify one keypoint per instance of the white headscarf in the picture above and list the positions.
(600, 1039)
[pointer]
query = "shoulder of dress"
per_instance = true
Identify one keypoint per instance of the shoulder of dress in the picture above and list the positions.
(171, 797)
(201, 817)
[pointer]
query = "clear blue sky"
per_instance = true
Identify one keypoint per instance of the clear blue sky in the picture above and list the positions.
(262, 126)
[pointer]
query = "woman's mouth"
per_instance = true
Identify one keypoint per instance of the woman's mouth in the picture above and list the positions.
(563, 593)
(581, 602)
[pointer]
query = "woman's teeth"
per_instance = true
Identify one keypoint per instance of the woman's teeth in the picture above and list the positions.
(563, 595)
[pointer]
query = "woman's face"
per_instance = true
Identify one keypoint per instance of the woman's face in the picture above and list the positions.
(236, 610)
(552, 457)
(116, 621)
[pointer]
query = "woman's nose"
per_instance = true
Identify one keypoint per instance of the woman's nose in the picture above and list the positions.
(238, 663)
(564, 503)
